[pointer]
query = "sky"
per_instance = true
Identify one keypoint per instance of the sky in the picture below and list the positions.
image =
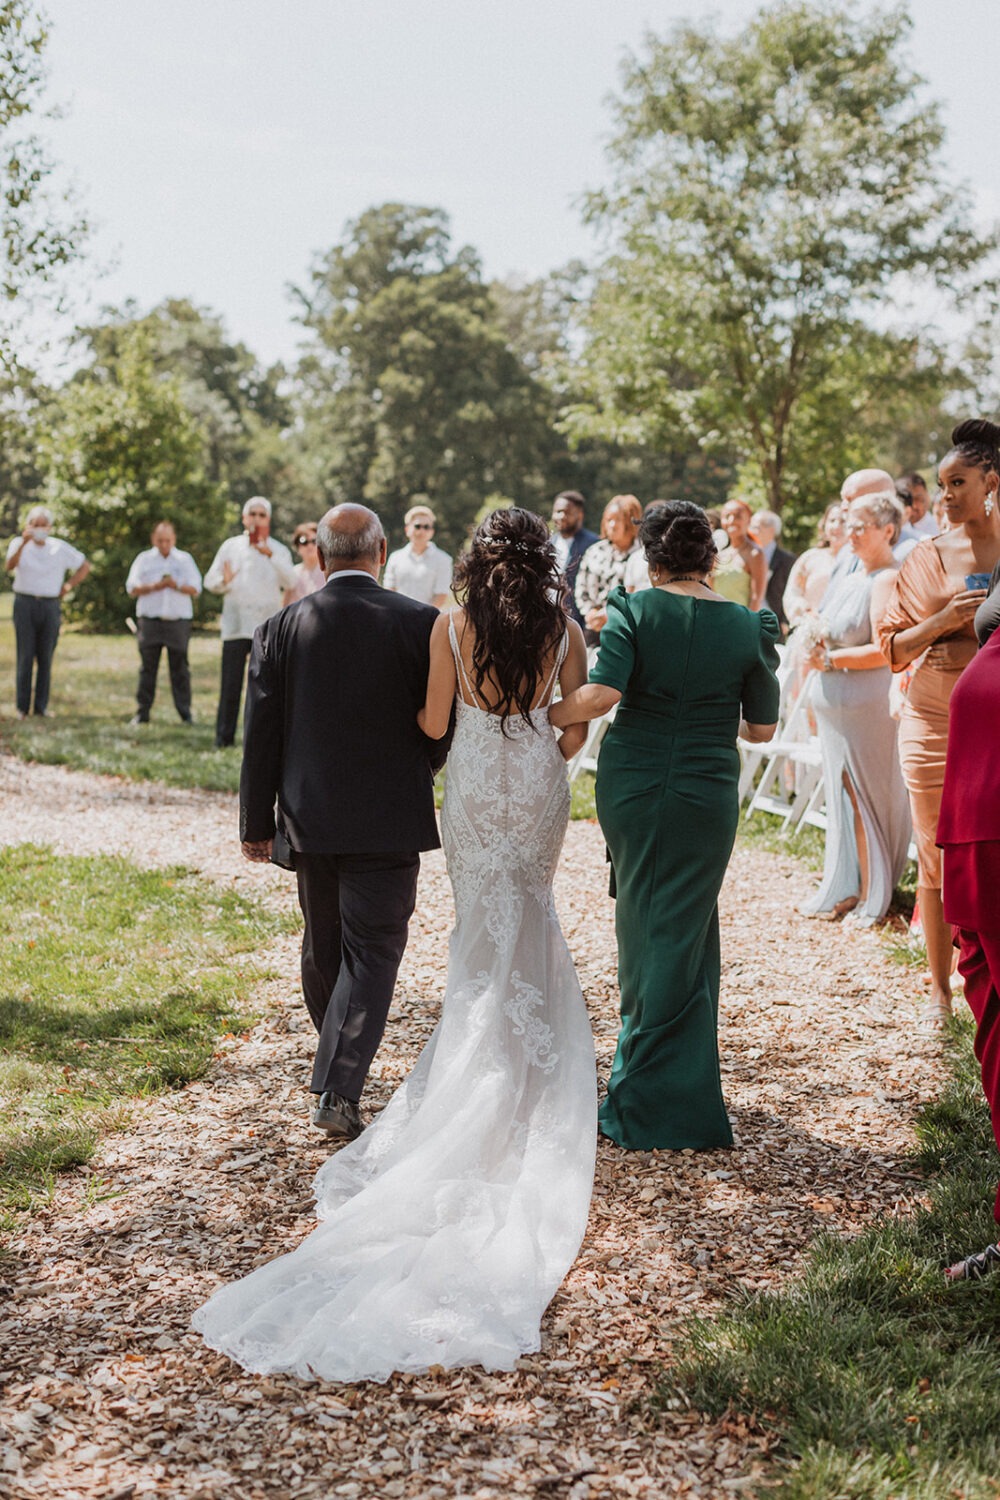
(219, 145)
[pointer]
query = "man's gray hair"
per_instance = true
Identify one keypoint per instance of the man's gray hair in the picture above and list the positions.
(883, 507)
(363, 545)
(767, 518)
(39, 513)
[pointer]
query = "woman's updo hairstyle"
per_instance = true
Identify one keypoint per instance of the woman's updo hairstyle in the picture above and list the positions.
(510, 587)
(677, 538)
(977, 442)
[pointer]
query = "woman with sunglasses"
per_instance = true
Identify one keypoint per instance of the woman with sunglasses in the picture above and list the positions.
(309, 575)
(867, 810)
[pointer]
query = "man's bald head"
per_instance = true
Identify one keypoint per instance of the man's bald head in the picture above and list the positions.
(351, 536)
(865, 482)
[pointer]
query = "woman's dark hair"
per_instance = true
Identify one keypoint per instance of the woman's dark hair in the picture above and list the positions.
(511, 590)
(677, 537)
(977, 442)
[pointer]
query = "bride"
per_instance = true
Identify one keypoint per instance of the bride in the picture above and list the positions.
(448, 1225)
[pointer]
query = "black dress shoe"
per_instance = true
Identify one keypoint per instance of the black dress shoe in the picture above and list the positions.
(339, 1117)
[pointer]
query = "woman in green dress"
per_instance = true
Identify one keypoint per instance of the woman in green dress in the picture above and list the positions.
(685, 665)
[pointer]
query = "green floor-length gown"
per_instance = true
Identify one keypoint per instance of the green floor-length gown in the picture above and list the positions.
(667, 800)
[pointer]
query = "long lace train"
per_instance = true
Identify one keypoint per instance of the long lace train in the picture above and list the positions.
(449, 1224)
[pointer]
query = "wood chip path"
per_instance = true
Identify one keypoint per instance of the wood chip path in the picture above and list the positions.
(104, 1391)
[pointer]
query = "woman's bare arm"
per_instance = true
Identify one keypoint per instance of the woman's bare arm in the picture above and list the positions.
(435, 716)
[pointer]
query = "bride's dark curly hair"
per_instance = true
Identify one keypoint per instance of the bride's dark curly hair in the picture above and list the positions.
(510, 587)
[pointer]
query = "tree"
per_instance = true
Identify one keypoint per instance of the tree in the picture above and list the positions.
(239, 406)
(410, 385)
(121, 455)
(40, 232)
(771, 190)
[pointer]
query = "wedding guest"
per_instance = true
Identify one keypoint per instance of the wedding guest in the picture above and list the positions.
(804, 593)
(683, 664)
(163, 581)
(855, 487)
(39, 562)
(765, 530)
(741, 569)
(969, 836)
(420, 570)
(929, 621)
(988, 613)
(637, 569)
(570, 538)
(921, 518)
(940, 513)
(603, 565)
(908, 535)
(810, 573)
(251, 572)
(868, 815)
(308, 571)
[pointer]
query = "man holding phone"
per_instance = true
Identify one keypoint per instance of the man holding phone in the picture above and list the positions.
(163, 582)
(251, 572)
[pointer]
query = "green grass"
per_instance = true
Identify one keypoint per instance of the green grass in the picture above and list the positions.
(762, 831)
(114, 982)
(877, 1379)
(93, 698)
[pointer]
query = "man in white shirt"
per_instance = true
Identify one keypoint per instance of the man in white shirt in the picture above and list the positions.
(251, 572)
(163, 582)
(419, 570)
(39, 562)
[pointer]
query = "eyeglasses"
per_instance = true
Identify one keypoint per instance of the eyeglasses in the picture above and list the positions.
(422, 525)
(305, 541)
(257, 515)
(855, 526)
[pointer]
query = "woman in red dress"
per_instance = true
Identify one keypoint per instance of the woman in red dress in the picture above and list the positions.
(969, 836)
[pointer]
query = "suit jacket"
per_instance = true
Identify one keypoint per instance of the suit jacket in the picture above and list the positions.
(330, 725)
(781, 566)
(577, 547)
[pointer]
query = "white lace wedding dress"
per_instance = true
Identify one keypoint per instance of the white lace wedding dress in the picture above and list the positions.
(449, 1224)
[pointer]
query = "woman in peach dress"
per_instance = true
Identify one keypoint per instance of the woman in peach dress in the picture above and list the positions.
(929, 621)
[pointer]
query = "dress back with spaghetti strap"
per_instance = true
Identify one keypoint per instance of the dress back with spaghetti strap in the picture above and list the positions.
(450, 1222)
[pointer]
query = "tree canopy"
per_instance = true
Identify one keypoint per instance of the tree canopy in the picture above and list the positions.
(410, 385)
(771, 189)
(41, 231)
(121, 455)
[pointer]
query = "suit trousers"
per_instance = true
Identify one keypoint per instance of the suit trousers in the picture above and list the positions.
(36, 630)
(234, 661)
(979, 963)
(356, 908)
(154, 636)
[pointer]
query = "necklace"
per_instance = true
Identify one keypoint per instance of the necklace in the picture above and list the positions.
(687, 578)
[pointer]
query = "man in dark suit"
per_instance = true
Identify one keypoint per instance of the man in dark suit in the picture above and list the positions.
(571, 540)
(335, 684)
(765, 528)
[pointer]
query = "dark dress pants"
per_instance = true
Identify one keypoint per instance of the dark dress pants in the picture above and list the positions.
(36, 630)
(356, 909)
(234, 663)
(154, 636)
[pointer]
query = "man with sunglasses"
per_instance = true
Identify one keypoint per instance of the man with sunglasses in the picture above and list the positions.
(309, 575)
(420, 570)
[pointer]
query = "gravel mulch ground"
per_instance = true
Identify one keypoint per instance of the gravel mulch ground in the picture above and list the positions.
(105, 1393)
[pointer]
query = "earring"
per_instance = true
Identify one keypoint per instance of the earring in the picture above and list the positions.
(988, 504)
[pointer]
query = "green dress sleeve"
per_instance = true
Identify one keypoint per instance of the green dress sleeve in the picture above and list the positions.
(616, 654)
(761, 694)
